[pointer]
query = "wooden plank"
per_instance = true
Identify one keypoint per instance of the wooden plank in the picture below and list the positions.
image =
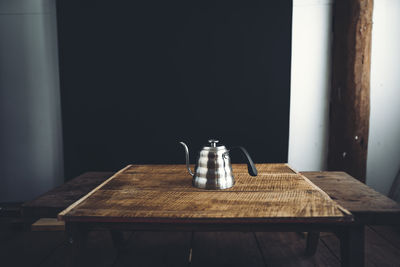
(378, 252)
(98, 251)
(237, 168)
(48, 224)
(76, 203)
(390, 233)
(135, 195)
(288, 249)
(279, 249)
(156, 249)
(182, 182)
(138, 205)
(29, 248)
(225, 249)
(51, 203)
(350, 92)
(367, 205)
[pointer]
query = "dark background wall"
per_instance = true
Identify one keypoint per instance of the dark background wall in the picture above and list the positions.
(136, 78)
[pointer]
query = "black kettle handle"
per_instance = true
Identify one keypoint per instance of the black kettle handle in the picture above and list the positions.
(250, 164)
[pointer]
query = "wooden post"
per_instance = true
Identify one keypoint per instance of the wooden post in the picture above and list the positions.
(312, 243)
(77, 235)
(349, 107)
(352, 246)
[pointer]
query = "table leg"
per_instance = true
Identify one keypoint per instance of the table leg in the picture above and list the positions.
(352, 246)
(312, 243)
(77, 236)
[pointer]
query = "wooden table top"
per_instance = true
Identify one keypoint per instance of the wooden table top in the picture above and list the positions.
(163, 193)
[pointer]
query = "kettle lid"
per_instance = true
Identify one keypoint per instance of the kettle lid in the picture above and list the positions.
(213, 142)
(213, 145)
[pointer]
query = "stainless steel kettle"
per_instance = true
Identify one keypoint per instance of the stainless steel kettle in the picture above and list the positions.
(213, 169)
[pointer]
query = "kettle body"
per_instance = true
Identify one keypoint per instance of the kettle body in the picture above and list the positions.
(213, 169)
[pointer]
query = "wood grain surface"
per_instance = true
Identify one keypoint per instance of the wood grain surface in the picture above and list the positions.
(163, 193)
(51, 203)
(367, 205)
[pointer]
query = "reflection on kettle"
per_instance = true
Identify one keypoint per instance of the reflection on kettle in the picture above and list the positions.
(213, 169)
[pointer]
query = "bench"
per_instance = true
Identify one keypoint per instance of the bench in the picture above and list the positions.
(367, 205)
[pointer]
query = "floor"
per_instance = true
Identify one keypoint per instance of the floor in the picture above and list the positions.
(19, 247)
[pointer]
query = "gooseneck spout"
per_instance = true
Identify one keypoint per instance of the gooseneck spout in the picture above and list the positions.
(187, 158)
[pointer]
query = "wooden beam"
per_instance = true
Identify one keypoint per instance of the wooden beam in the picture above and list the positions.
(48, 224)
(350, 106)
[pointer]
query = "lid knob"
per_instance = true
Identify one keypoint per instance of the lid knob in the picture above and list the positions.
(213, 142)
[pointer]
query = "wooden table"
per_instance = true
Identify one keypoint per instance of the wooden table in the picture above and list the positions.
(160, 197)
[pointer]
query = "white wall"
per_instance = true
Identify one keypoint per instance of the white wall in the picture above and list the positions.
(310, 84)
(30, 120)
(311, 61)
(384, 134)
